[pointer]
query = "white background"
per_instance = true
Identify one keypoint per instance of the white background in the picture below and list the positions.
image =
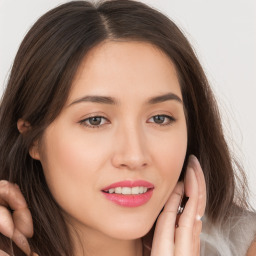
(223, 33)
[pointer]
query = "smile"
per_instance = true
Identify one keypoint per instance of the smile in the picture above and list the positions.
(127, 190)
(129, 193)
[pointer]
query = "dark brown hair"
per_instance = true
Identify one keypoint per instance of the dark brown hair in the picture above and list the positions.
(39, 85)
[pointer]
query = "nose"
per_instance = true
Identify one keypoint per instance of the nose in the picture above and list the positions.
(130, 150)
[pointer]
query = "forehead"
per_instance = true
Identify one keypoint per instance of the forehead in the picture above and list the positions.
(119, 67)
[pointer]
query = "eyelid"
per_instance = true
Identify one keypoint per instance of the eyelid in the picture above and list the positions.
(83, 121)
(168, 116)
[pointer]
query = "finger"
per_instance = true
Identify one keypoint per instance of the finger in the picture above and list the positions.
(7, 229)
(184, 232)
(23, 221)
(21, 241)
(163, 242)
(201, 203)
(201, 185)
(11, 196)
(196, 237)
(6, 222)
(2, 253)
(20, 224)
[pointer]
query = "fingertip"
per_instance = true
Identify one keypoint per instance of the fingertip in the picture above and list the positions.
(194, 162)
(21, 241)
(191, 184)
(180, 186)
(192, 158)
(201, 184)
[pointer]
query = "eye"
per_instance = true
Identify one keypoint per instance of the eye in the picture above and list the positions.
(162, 119)
(94, 121)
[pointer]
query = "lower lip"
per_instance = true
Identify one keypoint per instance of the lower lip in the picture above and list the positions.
(129, 200)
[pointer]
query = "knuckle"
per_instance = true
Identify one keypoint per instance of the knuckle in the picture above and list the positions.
(3, 182)
(5, 187)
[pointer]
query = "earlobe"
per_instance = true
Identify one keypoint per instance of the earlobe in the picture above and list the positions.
(34, 151)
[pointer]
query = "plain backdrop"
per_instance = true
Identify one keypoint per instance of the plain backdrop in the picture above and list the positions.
(223, 34)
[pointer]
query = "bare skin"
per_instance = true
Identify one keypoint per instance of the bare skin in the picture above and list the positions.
(109, 70)
(186, 236)
(252, 249)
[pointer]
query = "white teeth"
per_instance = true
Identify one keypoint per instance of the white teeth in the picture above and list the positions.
(111, 191)
(135, 190)
(118, 190)
(128, 191)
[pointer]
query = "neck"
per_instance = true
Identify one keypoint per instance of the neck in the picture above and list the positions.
(91, 242)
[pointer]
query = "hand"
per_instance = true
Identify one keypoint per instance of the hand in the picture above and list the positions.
(183, 239)
(17, 225)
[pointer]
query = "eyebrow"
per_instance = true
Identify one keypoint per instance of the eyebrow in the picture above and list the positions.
(112, 101)
(163, 98)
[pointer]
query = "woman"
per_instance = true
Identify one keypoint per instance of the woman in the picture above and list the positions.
(103, 108)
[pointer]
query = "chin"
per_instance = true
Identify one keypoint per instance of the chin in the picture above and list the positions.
(130, 231)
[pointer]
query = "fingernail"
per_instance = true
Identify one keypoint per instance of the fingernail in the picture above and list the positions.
(194, 163)
(194, 159)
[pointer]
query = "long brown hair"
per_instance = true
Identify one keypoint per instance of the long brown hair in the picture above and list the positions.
(39, 85)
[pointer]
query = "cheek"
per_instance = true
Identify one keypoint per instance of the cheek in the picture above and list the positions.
(70, 153)
(169, 156)
(171, 150)
(69, 167)
(175, 154)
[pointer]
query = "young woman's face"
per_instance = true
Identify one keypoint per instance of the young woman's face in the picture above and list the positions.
(123, 122)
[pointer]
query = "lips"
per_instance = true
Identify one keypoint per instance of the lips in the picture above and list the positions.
(129, 193)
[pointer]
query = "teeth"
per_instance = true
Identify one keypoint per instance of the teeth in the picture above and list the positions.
(118, 190)
(136, 190)
(128, 191)
(111, 191)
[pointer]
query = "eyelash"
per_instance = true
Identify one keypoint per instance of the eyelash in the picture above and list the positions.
(83, 122)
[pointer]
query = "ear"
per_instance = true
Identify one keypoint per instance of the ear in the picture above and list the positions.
(34, 151)
(23, 126)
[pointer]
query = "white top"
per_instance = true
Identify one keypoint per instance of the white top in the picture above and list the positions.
(231, 239)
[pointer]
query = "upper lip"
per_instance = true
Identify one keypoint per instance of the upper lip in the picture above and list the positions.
(130, 184)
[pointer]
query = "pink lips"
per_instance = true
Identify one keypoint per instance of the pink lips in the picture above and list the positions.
(129, 200)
